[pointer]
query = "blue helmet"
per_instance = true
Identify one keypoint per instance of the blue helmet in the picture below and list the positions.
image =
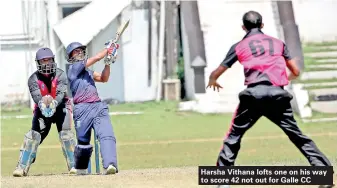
(45, 66)
(71, 47)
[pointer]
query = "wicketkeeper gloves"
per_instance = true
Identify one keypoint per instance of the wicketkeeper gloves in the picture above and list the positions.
(47, 110)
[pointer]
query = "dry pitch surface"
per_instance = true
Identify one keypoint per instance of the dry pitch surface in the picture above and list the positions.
(148, 178)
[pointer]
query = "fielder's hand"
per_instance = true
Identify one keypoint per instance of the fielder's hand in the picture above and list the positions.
(214, 84)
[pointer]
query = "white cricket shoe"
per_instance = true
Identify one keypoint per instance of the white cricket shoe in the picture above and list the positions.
(18, 172)
(81, 171)
(72, 171)
(110, 170)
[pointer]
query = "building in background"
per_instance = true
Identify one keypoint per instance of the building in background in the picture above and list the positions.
(92, 23)
(95, 24)
(134, 77)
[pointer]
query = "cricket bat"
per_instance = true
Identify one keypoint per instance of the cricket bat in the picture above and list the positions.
(119, 33)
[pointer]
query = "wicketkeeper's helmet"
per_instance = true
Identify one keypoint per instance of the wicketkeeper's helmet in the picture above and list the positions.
(45, 68)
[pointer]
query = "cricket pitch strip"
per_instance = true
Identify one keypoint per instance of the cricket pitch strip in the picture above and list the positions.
(184, 177)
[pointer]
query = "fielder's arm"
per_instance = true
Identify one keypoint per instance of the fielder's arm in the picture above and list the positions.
(104, 76)
(61, 88)
(291, 64)
(34, 88)
(100, 55)
(229, 60)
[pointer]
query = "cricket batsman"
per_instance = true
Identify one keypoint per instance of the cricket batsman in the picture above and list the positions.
(265, 60)
(89, 110)
(48, 87)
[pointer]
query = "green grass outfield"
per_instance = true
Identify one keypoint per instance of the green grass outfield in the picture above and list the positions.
(163, 137)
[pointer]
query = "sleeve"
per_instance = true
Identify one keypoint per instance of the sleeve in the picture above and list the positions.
(76, 69)
(61, 89)
(286, 53)
(230, 58)
(34, 89)
(91, 72)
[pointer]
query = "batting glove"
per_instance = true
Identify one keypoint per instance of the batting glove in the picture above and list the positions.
(109, 44)
(112, 52)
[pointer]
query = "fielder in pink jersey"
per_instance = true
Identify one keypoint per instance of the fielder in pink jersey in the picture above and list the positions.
(265, 60)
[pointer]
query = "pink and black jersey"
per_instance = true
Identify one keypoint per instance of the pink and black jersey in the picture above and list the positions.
(263, 58)
(54, 85)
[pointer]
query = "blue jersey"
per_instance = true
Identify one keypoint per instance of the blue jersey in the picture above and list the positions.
(82, 84)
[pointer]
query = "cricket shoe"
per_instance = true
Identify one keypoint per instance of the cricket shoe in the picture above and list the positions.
(72, 171)
(81, 171)
(110, 170)
(19, 172)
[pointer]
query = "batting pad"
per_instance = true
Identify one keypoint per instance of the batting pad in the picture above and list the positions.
(68, 143)
(82, 156)
(29, 148)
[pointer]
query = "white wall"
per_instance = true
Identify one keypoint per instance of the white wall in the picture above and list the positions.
(15, 70)
(222, 27)
(222, 23)
(135, 59)
(11, 17)
(114, 88)
(316, 19)
(129, 75)
(17, 64)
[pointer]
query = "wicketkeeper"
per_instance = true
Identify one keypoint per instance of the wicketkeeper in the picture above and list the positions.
(89, 110)
(265, 60)
(48, 88)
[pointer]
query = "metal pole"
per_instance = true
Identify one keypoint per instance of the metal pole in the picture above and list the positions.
(290, 31)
